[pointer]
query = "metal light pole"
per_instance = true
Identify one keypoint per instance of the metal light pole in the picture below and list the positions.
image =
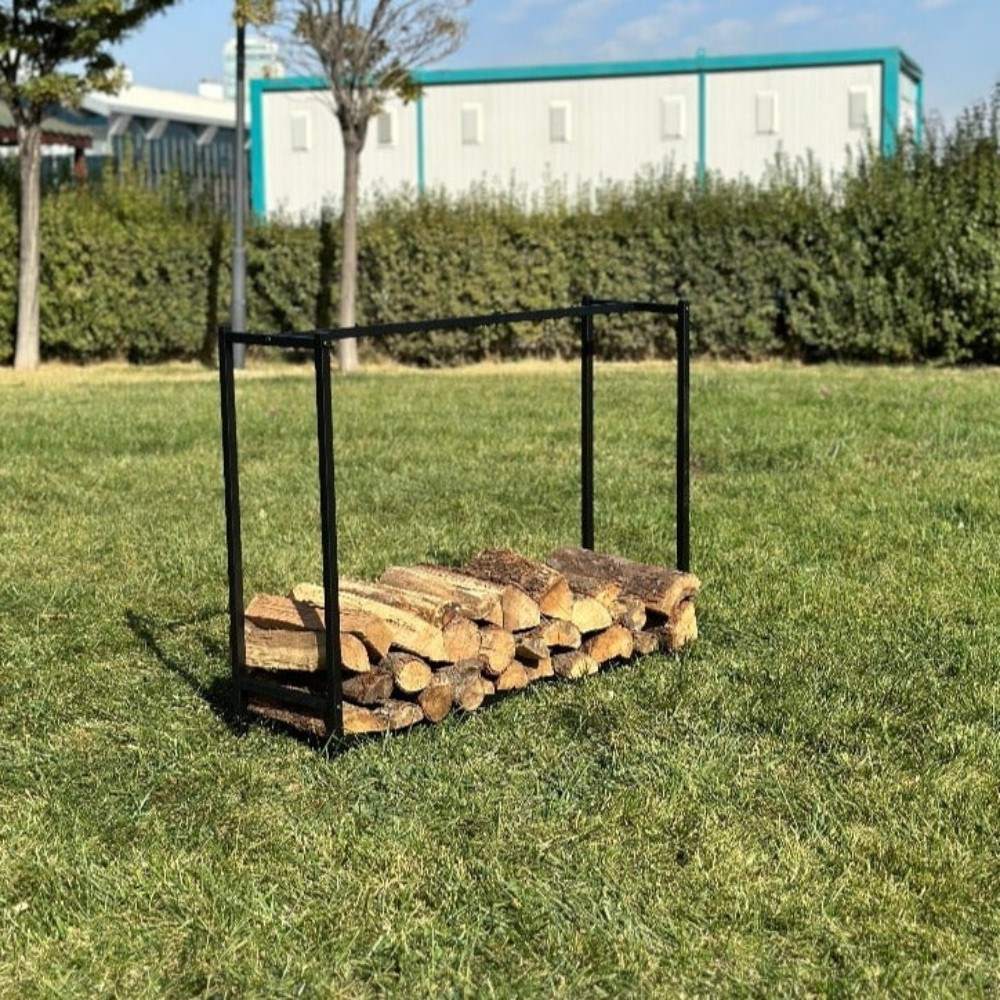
(238, 313)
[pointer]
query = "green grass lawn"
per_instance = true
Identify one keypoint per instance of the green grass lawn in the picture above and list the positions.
(806, 803)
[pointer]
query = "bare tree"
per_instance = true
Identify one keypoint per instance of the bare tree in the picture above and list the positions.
(367, 50)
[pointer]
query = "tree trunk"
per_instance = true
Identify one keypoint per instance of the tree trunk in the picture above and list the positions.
(347, 350)
(27, 347)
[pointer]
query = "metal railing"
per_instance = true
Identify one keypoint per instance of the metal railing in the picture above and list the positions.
(320, 343)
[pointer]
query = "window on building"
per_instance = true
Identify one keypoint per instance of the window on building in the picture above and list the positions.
(767, 113)
(385, 128)
(472, 124)
(672, 117)
(859, 107)
(301, 131)
(560, 126)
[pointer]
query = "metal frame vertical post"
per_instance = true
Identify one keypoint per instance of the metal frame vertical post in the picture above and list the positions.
(238, 317)
(587, 426)
(234, 540)
(683, 436)
(328, 540)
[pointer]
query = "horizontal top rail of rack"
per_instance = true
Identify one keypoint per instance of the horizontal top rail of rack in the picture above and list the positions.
(308, 339)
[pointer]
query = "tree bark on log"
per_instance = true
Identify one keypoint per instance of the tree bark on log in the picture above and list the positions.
(289, 649)
(630, 612)
(659, 589)
(468, 687)
(268, 611)
(373, 688)
(644, 643)
(544, 585)
(614, 643)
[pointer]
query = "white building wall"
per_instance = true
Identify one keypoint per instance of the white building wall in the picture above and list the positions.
(617, 128)
(301, 181)
(812, 106)
(615, 131)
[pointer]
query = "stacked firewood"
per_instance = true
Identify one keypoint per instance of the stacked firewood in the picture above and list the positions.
(426, 640)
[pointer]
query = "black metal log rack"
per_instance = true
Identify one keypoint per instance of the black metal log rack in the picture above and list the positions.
(321, 343)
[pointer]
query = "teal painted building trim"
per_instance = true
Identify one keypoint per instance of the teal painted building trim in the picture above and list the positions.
(258, 191)
(702, 172)
(658, 67)
(421, 160)
(891, 67)
(892, 60)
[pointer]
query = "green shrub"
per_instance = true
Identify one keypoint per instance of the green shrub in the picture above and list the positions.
(898, 260)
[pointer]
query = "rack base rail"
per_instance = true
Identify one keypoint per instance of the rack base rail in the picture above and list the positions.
(320, 343)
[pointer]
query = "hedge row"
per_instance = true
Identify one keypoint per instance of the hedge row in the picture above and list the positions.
(897, 261)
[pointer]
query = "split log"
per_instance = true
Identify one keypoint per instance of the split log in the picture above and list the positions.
(461, 639)
(289, 649)
(392, 715)
(544, 585)
(410, 673)
(574, 665)
(431, 609)
(514, 678)
(373, 688)
(436, 699)
(679, 630)
(539, 670)
(556, 634)
(306, 613)
(660, 589)
(614, 643)
(530, 648)
(467, 684)
(409, 631)
(357, 719)
(589, 615)
(630, 612)
(644, 643)
(497, 648)
(477, 600)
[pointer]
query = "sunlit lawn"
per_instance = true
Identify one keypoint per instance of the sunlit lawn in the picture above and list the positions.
(808, 802)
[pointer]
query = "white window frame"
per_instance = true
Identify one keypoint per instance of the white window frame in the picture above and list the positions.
(567, 108)
(864, 92)
(305, 119)
(477, 109)
(673, 101)
(772, 96)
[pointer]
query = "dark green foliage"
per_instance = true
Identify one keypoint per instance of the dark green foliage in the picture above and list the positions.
(898, 261)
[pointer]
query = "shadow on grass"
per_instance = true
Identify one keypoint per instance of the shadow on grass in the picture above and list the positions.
(152, 635)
